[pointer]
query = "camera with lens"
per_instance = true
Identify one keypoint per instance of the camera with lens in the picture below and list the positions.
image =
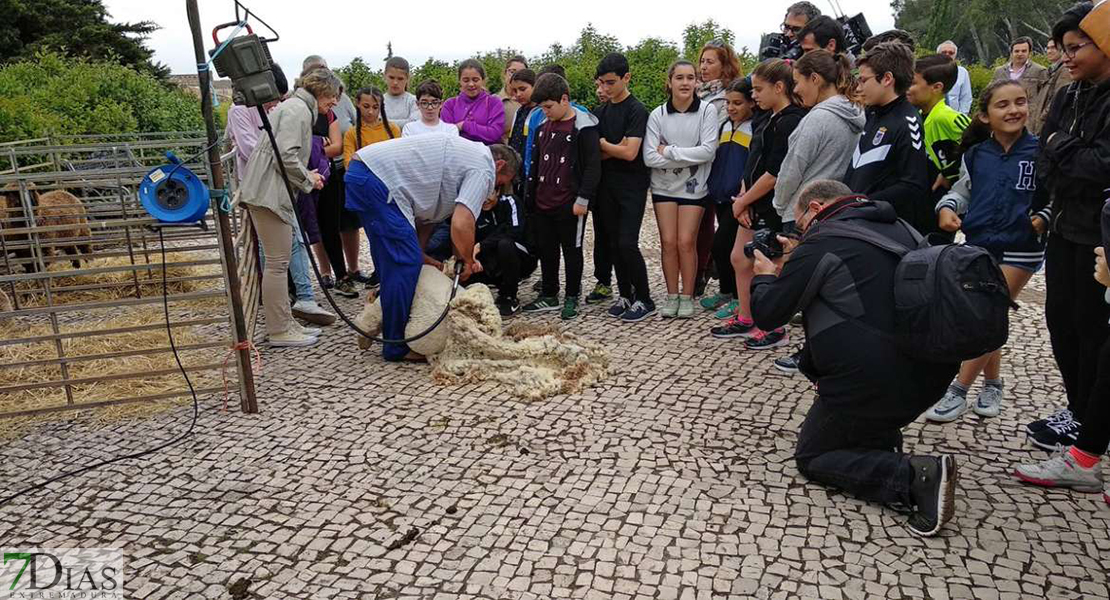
(767, 242)
(777, 45)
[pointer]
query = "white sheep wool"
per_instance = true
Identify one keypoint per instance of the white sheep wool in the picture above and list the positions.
(530, 361)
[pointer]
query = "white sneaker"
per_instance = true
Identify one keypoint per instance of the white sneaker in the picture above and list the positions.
(309, 331)
(309, 311)
(291, 339)
(989, 401)
(1062, 471)
(947, 409)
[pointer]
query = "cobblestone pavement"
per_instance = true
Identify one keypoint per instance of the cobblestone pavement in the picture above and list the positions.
(672, 479)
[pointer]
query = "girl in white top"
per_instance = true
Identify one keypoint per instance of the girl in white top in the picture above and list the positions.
(429, 98)
(679, 146)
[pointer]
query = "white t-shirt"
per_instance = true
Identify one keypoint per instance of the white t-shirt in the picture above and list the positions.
(419, 128)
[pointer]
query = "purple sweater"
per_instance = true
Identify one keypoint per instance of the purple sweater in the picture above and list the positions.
(483, 117)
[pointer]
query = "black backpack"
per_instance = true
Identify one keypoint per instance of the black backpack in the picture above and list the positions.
(951, 301)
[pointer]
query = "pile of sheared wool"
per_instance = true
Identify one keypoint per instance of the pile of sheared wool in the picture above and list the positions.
(530, 361)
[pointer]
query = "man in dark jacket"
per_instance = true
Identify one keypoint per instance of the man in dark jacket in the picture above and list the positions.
(867, 390)
(891, 163)
(1075, 167)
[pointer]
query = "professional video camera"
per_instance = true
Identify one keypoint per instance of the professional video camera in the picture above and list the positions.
(777, 45)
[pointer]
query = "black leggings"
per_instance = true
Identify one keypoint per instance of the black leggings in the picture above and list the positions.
(334, 217)
(723, 241)
(1094, 435)
(621, 205)
(1077, 316)
(562, 231)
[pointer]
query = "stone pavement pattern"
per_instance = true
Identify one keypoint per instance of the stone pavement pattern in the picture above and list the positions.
(673, 479)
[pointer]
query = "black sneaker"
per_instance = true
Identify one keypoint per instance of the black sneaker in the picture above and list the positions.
(933, 490)
(734, 328)
(327, 282)
(1062, 414)
(765, 340)
(600, 294)
(346, 288)
(507, 306)
(638, 312)
(543, 304)
(617, 310)
(373, 281)
(789, 364)
(1060, 433)
(358, 277)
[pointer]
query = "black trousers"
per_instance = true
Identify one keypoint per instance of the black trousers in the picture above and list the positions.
(723, 241)
(1094, 435)
(863, 458)
(621, 205)
(504, 265)
(560, 231)
(334, 218)
(1077, 316)
(604, 261)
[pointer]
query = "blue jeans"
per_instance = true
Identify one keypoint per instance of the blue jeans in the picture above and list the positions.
(300, 269)
(863, 458)
(394, 248)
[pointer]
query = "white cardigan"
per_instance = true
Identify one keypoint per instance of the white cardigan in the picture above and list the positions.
(691, 137)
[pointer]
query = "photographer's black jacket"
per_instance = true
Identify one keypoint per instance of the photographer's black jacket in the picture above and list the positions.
(891, 163)
(1075, 160)
(855, 369)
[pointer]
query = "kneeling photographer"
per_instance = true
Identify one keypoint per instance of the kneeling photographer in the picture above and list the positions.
(867, 390)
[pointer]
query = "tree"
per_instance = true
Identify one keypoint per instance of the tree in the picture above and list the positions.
(982, 28)
(696, 35)
(78, 28)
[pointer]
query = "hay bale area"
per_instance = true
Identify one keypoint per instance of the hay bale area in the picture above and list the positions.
(114, 285)
(531, 361)
(102, 390)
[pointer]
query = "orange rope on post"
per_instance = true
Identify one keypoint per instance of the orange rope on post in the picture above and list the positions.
(232, 349)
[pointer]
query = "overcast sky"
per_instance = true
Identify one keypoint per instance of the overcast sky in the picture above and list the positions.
(449, 31)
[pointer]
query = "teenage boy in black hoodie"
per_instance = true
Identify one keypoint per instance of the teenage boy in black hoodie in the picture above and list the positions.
(500, 246)
(1075, 166)
(563, 180)
(891, 164)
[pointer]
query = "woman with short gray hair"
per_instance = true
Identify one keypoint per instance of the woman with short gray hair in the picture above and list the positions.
(264, 193)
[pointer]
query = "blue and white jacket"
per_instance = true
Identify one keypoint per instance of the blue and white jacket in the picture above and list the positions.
(997, 194)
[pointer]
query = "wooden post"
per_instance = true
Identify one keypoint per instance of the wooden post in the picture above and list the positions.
(248, 401)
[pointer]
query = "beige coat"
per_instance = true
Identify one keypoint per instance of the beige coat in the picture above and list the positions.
(1033, 79)
(511, 106)
(262, 185)
(1058, 77)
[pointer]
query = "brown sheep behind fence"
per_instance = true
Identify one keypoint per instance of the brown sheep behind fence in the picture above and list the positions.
(54, 208)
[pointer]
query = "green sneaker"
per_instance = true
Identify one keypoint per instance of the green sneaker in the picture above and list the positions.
(685, 307)
(670, 307)
(728, 311)
(601, 293)
(715, 301)
(570, 309)
(542, 304)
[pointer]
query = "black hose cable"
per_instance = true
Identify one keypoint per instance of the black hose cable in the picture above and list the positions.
(184, 373)
(316, 267)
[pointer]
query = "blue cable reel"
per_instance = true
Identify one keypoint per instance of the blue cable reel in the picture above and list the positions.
(173, 194)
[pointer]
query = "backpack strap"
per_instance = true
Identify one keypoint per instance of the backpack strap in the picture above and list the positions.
(851, 229)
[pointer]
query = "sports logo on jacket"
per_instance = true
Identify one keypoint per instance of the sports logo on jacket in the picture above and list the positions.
(879, 135)
(915, 132)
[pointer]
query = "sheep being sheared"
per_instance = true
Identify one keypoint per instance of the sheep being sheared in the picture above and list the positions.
(55, 208)
(532, 361)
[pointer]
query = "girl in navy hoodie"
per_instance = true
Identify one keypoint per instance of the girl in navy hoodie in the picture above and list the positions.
(998, 206)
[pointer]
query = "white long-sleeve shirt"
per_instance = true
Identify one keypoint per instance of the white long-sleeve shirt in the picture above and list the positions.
(690, 139)
(959, 97)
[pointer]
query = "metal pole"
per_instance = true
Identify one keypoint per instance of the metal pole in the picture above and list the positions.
(248, 401)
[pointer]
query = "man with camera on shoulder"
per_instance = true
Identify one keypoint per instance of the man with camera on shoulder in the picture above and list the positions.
(867, 389)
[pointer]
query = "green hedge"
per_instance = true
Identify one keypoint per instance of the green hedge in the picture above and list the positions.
(53, 94)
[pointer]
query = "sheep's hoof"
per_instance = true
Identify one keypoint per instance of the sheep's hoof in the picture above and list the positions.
(364, 342)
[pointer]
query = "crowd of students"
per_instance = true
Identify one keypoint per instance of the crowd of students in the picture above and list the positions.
(729, 153)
